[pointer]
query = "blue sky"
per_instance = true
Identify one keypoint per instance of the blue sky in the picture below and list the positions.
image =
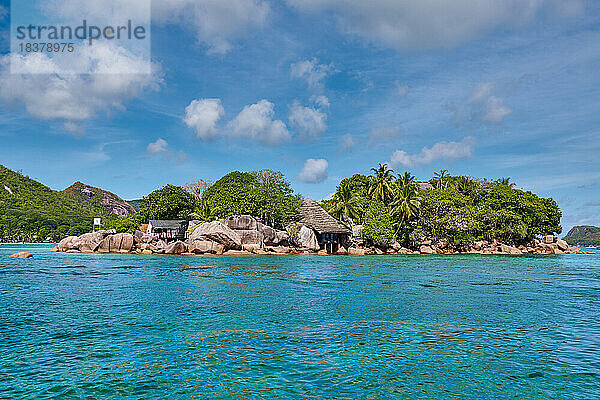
(322, 89)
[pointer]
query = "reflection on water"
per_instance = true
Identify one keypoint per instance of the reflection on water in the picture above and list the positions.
(116, 326)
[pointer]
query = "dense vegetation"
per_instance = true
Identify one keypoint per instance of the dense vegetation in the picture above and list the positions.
(264, 194)
(583, 236)
(30, 211)
(456, 209)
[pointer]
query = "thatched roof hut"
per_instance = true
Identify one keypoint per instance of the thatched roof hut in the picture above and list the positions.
(315, 217)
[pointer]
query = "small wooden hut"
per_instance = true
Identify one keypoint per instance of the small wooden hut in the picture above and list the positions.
(168, 230)
(330, 232)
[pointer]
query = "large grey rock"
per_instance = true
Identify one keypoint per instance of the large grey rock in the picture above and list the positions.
(217, 232)
(68, 243)
(426, 250)
(269, 234)
(282, 238)
(509, 249)
(242, 222)
(251, 237)
(176, 248)
(206, 246)
(562, 244)
(90, 242)
(308, 239)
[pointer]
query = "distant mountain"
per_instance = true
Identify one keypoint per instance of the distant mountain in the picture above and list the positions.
(31, 211)
(584, 236)
(136, 204)
(112, 203)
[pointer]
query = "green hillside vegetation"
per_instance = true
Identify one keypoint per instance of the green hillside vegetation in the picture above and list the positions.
(136, 204)
(583, 236)
(455, 209)
(30, 211)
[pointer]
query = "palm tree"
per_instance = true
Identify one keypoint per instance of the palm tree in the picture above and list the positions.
(441, 179)
(406, 204)
(380, 187)
(505, 181)
(406, 180)
(464, 185)
(204, 211)
(345, 205)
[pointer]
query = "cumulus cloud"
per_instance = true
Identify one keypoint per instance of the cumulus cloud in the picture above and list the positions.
(320, 101)
(483, 105)
(257, 122)
(49, 93)
(309, 121)
(311, 72)
(384, 134)
(346, 143)
(426, 24)
(202, 116)
(439, 151)
(314, 171)
(160, 146)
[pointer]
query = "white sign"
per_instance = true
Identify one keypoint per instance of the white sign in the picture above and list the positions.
(96, 221)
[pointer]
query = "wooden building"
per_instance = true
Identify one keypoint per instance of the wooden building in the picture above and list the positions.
(168, 230)
(330, 232)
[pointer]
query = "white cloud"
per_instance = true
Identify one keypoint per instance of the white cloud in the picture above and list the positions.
(495, 110)
(256, 122)
(48, 93)
(423, 24)
(311, 72)
(384, 134)
(309, 121)
(321, 101)
(346, 143)
(314, 171)
(202, 115)
(160, 146)
(483, 106)
(439, 151)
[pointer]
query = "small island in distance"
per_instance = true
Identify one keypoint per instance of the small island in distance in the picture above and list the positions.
(259, 213)
(586, 236)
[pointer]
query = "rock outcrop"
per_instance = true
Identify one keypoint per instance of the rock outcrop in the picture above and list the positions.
(217, 232)
(22, 254)
(307, 239)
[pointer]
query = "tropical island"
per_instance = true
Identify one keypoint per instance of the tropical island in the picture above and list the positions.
(259, 213)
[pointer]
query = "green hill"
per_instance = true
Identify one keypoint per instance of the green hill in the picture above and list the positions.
(31, 211)
(136, 204)
(583, 236)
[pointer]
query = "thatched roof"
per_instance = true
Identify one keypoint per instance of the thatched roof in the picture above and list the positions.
(315, 217)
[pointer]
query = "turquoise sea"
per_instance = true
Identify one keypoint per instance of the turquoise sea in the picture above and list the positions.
(295, 327)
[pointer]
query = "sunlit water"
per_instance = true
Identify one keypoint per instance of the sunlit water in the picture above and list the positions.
(428, 327)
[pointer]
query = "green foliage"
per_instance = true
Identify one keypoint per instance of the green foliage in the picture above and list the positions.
(128, 224)
(136, 204)
(345, 205)
(378, 224)
(170, 202)
(264, 194)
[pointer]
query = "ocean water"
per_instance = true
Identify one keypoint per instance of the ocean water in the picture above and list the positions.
(295, 327)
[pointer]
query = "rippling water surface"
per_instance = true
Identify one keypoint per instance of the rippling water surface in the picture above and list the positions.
(126, 326)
